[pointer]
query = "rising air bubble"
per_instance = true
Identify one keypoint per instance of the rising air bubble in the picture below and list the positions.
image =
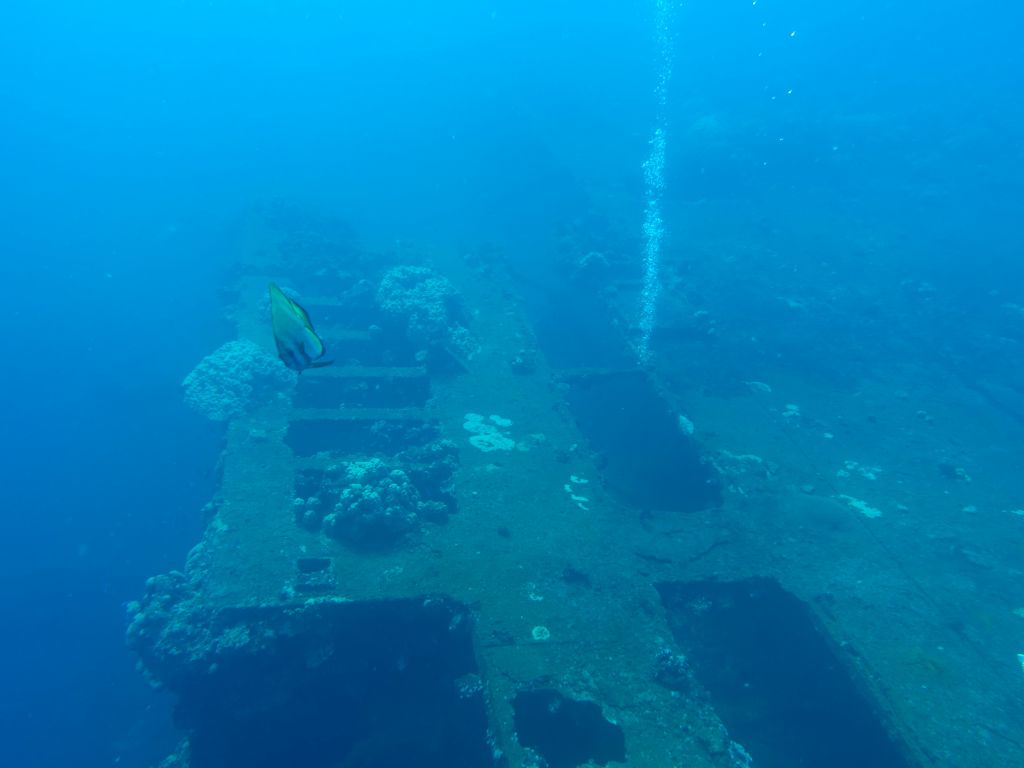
(654, 180)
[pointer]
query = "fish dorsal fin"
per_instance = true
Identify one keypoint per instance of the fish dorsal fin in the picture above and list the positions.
(301, 312)
(279, 298)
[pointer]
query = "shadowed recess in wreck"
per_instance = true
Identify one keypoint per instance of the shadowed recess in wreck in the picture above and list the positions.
(777, 683)
(386, 684)
(566, 733)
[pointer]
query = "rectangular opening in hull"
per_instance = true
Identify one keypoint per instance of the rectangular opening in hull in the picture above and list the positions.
(348, 346)
(782, 691)
(358, 435)
(647, 459)
(386, 684)
(360, 387)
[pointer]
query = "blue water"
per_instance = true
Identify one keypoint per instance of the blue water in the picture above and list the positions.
(133, 134)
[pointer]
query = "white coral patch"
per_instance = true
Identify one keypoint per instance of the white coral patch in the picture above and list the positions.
(487, 437)
(577, 499)
(861, 506)
(867, 471)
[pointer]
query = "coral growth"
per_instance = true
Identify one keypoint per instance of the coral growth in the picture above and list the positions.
(488, 436)
(431, 468)
(167, 627)
(372, 504)
(236, 378)
(428, 308)
(377, 505)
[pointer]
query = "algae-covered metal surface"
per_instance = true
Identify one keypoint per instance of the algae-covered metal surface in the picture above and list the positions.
(523, 517)
(444, 480)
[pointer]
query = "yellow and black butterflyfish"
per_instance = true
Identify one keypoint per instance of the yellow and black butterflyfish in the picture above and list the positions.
(298, 344)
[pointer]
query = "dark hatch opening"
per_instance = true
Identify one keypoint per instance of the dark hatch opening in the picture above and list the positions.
(647, 460)
(565, 732)
(384, 684)
(774, 678)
